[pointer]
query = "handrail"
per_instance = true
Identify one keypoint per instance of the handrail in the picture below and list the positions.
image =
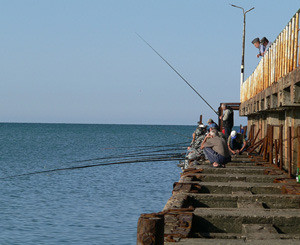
(280, 59)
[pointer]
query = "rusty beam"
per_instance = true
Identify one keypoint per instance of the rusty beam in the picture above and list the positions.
(276, 152)
(298, 136)
(256, 145)
(266, 144)
(150, 229)
(281, 146)
(271, 144)
(289, 150)
(258, 131)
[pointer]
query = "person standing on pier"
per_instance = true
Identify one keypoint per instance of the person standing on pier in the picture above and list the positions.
(266, 44)
(261, 48)
(227, 119)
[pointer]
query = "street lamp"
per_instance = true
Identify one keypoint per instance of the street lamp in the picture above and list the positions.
(244, 31)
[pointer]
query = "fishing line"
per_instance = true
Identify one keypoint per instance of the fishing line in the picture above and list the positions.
(177, 73)
(95, 165)
(127, 155)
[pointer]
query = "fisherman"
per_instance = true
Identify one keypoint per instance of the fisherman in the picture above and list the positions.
(261, 48)
(236, 143)
(200, 130)
(227, 119)
(212, 124)
(194, 153)
(266, 44)
(215, 149)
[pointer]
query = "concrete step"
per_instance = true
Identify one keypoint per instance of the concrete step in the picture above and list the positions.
(229, 187)
(231, 164)
(197, 241)
(269, 201)
(246, 236)
(212, 177)
(257, 170)
(231, 220)
(259, 231)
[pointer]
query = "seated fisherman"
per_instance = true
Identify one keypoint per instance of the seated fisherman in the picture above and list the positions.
(193, 151)
(200, 130)
(261, 48)
(212, 124)
(236, 143)
(266, 44)
(214, 127)
(215, 149)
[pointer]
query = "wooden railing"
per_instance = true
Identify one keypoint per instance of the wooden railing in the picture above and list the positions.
(280, 59)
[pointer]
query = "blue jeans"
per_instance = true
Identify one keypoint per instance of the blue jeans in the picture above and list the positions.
(213, 156)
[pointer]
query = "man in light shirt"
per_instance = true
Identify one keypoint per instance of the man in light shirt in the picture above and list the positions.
(260, 47)
(266, 44)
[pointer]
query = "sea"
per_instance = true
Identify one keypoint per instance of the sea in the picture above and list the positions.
(90, 205)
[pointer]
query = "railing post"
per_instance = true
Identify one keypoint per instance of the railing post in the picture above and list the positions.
(298, 157)
(289, 150)
(150, 229)
(276, 152)
(266, 144)
(281, 145)
(271, 144)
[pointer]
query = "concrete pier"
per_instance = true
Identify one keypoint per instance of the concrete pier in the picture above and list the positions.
(246, 202)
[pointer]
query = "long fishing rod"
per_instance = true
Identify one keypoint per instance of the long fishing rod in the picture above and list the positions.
(177, 73)
(158, 149)
(166, 159)
(147, 146)
(135, 155)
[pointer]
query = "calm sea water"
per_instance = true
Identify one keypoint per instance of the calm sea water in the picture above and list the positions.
(98, 205)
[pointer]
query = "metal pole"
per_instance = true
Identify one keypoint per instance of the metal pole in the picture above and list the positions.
(244, 36)
(243, 52)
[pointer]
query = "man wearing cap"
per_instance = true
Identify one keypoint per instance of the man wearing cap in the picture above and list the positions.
(215, 149)
(261, 48)
(236, 143)
(200, 130)
(212, 124)
(193, 151)
(266, 44)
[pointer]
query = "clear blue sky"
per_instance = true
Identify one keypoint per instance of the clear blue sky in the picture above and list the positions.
(80, 61)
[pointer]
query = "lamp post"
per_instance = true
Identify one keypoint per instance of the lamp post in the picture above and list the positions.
(244, 34)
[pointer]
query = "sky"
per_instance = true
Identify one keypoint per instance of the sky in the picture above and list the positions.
(80, 61)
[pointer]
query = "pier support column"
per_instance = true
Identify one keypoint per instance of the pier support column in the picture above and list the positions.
(150, 230)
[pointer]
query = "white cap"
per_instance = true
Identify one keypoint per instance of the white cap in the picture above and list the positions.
(233, 134)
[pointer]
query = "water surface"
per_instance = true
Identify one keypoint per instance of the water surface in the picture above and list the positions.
(98, 205)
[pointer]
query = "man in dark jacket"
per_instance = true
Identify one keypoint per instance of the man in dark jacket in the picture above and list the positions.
(227, 119)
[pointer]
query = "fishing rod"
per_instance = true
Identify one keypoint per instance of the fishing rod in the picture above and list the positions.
(146, 146)
(177, 73)
(132, 154)
(166, 159)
